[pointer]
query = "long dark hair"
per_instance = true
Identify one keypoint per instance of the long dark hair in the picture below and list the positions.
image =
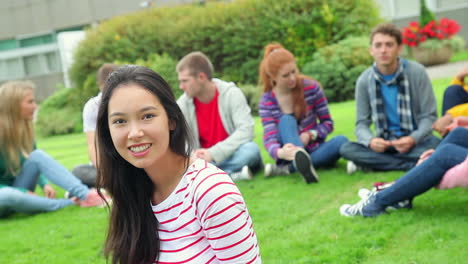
(133, 229)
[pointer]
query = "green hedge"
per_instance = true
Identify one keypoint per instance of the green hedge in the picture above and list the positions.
(231, 34)
(338, 66)
(60, 113)
(162, 64)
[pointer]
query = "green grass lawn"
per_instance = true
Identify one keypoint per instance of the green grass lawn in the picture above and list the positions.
(294, 222)
(460, 56)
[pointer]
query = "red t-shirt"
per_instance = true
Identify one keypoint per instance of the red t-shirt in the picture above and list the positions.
(210, 126)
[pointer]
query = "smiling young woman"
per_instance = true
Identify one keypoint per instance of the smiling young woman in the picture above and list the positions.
(198, 213)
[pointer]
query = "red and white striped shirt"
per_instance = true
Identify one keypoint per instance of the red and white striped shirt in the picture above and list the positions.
(205, 220)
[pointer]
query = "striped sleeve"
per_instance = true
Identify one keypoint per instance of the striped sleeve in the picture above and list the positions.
(225, 219)
(317, 107)
(270, 127)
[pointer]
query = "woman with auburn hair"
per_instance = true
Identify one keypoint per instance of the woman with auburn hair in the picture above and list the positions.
(167, 207)
(21, 164)
(295, 118)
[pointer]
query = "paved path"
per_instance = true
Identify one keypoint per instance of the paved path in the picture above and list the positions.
(445, 70)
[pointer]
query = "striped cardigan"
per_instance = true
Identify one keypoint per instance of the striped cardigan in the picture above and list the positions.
(316, 109)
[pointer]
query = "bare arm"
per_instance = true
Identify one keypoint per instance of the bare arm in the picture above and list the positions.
(91, 147)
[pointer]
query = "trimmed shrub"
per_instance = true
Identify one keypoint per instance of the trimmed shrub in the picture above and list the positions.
(164, 66)
(252, 94)
(231, 34)
(338, 66)
(60, 113)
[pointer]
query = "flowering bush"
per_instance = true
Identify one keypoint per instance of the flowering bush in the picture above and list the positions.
(414, 34)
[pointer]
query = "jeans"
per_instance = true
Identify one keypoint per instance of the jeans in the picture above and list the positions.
(14, 200)
(327, 154)
(452, 150)
(247, 154)
(390, 160)
(37, 163)
(454, 95)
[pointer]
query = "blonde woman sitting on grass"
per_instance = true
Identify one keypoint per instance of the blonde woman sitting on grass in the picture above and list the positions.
(22, 165)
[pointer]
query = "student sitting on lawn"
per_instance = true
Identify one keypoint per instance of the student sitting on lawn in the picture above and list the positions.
(219, 116)
(396, 96)
(449, 156)
(87, 172)
(21, 164)
(455, 102)
(167, 207)
(295, 118)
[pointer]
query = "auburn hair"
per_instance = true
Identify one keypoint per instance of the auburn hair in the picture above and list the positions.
(276, 56)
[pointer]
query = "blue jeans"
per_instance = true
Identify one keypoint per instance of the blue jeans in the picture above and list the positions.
(454, 95)
(37, 163)
(247, 154)
(390, 160)
(452, 150)
(327, 154)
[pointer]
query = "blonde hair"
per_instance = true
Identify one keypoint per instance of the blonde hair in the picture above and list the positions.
(196, 62)
(16, 133)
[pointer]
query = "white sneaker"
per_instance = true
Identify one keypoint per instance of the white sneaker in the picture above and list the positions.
(351, 167)
(275, 170)
(244, 174)
(363, 193)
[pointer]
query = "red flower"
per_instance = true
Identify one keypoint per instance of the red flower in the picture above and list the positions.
(414, 34)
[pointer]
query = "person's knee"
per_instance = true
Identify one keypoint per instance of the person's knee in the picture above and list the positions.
(287, 118)
(444, 149)
(458, 132)
(347, 148)
(341, 140)
(37, 154)
(452, 91)
(250, 149)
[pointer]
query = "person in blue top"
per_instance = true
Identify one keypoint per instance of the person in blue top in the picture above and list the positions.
(21, 164)
(396, 97)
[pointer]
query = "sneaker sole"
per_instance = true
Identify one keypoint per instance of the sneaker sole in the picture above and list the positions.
(304, 166)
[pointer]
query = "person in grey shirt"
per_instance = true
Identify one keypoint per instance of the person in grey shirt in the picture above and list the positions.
(219, 117)
(396, 97)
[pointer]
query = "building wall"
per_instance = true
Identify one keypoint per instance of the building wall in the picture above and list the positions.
(26, 17)
(401, 12)
(29, 28)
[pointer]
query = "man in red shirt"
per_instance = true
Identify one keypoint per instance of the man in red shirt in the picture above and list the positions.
(219, 118)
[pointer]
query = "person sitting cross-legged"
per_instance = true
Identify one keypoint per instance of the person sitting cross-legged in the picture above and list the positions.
(295, 117)
(450, 154)
(219, 117)
(396, 97)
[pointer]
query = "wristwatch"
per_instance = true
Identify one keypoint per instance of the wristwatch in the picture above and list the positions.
(313, 133)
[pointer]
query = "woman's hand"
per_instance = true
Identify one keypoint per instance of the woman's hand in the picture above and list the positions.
(49, 191)
(287, 152)
(305, 138)
(308, 136)
(460, 121)
(425, 155)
